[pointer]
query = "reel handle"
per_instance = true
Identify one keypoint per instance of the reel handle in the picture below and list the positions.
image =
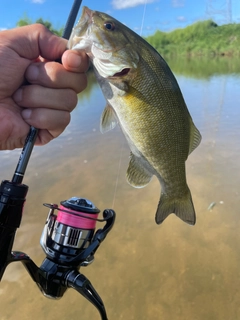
(81, 284)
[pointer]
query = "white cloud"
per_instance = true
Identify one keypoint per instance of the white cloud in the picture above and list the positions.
(123, 4)
(38, 1)
(181, 19)
(177, 3)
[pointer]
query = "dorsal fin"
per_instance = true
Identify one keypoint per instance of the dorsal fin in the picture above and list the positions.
(195, 137)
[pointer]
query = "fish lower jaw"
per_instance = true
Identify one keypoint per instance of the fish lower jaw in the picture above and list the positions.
(79, 43)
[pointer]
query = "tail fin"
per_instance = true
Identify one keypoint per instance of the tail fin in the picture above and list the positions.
(182, 207)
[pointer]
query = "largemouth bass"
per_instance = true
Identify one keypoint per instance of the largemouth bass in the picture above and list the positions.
(143, 96)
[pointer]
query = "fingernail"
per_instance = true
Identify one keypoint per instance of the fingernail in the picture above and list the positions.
(32, 73)
(74, 60)
(26, 114)
(17, 97)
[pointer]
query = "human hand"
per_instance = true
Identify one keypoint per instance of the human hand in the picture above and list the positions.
(34, 89)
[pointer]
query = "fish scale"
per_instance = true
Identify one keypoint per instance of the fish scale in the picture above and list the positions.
(144, 98)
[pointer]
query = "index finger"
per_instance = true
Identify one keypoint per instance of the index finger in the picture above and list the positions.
(31, 41)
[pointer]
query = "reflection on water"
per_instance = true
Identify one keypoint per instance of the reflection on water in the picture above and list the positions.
(142, 271)
(204, 67)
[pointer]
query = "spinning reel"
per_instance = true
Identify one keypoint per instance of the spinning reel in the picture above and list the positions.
(68, 239)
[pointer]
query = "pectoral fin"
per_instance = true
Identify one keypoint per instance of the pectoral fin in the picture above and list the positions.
(195, 137)
(108, 119)
(137, 175)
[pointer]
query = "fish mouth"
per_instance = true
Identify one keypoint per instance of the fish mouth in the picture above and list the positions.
(88, 13)
(79, 39)
(89, 37)
(86, 16)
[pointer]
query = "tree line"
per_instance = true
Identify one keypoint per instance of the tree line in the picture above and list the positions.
(26, 21)
(203, 38)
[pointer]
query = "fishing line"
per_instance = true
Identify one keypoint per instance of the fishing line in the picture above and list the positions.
(118, 174)
(120, 158)
(143, 18)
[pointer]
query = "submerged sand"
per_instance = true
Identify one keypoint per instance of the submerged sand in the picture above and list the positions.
(142, 271)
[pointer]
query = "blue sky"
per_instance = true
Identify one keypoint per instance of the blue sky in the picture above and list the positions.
(143, 16)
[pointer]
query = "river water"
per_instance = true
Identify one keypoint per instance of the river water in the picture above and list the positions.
(142, 270)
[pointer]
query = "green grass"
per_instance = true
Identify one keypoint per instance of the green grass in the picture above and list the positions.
(199, 39)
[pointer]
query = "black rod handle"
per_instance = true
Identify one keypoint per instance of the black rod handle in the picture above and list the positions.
(25, 156)
(33, 132)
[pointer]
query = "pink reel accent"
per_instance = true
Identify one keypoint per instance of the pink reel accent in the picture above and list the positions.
(75, 220)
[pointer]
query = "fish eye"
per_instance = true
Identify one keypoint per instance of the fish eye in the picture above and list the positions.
(109, 25)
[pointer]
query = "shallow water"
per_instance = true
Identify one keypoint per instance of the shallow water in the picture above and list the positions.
(142, 270)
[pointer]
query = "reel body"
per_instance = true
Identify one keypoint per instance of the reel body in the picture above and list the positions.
(70, 232)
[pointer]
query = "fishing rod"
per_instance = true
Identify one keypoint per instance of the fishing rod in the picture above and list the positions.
(69, 239)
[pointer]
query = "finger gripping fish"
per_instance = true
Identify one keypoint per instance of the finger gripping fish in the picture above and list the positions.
(143, 96)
